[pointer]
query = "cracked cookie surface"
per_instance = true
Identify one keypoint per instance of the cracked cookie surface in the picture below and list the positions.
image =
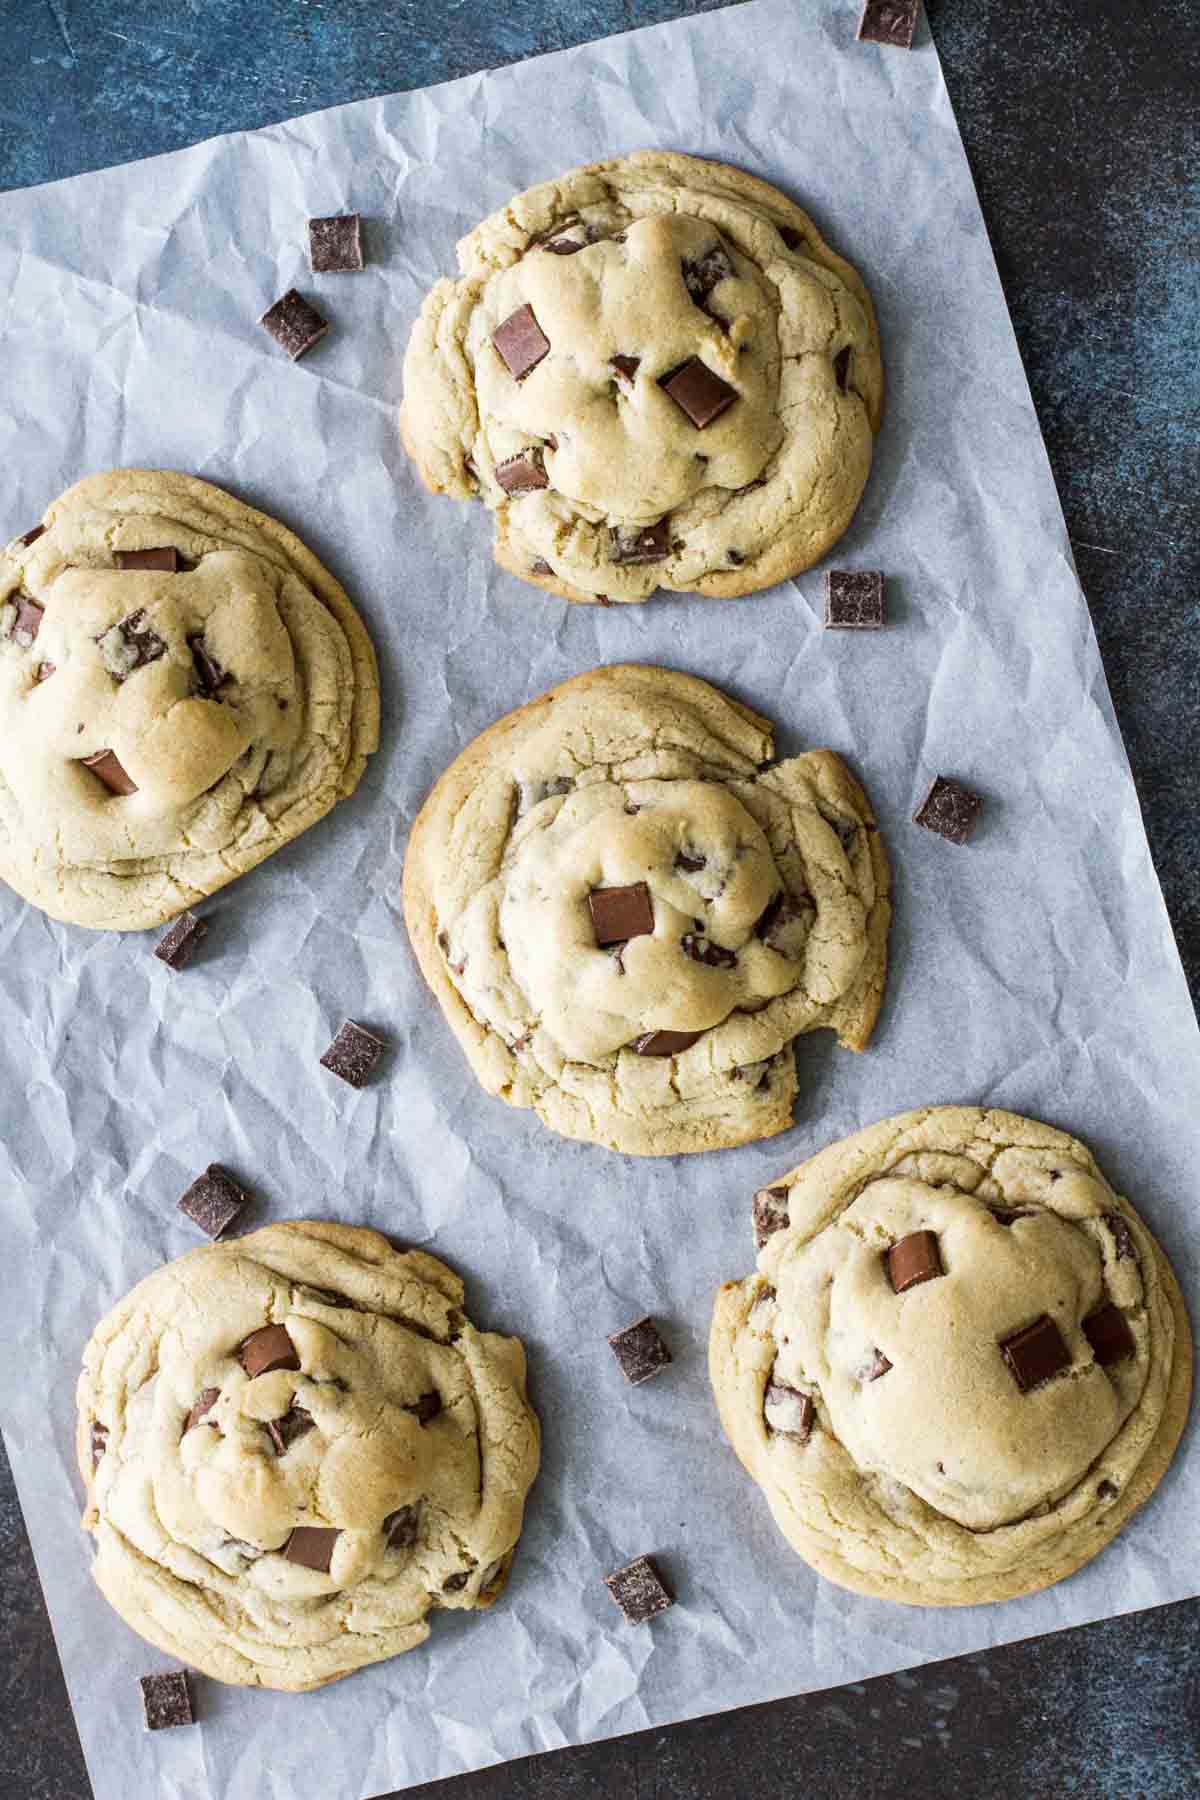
(963, 1360)
(655, 373)
(628, 917)
(183, 689)
(294, 1447)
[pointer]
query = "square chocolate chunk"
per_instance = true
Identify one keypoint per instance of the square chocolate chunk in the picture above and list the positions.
(853, 600)
(916, 1258)
(213, 1201)
(523, 473)
(1107, 1331)
(698, 391)
(176, 946)
(164, 559)
(950, 809)
(294, 324)
(889, 22)
(640, 1351)
(665, 1043)
(621, 913)
(788, 1412)
(353, 1054)
(1036, 1354)
(108, 767)
(521, 342)
(335, 244)
(312, 1547)
(266, 1350)
(639, 1590)
(166, 1700)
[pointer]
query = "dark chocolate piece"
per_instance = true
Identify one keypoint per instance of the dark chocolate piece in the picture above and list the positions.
(400, 1528)
(641, 544)
(853, 600)
(522, 474)
(294, 1423)
(130, 645)
(703, 950)
(950, 809)
(208, 671)
(703, 273)
(31, 536)
(878, 1365)
(770, 1213)
(665, 1043)
(107, 766)
(27, 621)
(43, 672)
(841, 367)
(294, 324)
(1122, 1237)
(788, 1412)
(521, 342)
(791, 237)
(353, 1053)
(1106, 1490)
(621, 913)
(312, 1547)
(889, 22)
(165, 559)
(213, 1201)
(639, 1590)
(564, 246)
(690, 862)
(204, 1402)
(540, 567)
(454, 1584)
(736, 557)
(335, 244)
(778, 913)
(626, 366)
(640, 1350)
(916, 1258)
(98, 1441)
(267, 1349)
(176, 946)
(1107, 1331)
(166, 1700)
(1036, 1353)
(698, 392)
(426, 1408)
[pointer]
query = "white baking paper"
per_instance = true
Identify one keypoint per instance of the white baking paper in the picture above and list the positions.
(1034, 970)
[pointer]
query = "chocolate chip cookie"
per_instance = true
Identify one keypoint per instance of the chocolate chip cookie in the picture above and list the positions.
(628, 913)
(295, 1446)
(962, 1363)
(183, 689)
(655, 373)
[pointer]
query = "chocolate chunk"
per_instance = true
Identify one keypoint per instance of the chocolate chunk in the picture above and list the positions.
(1122, 1237)
(1106, 1490)
(703, 950)
(27, 621)
(889, 22)
(621, 913)
(166, 1700)
(353, 1053)
(770, 1213)
(1036, 1353)
(208, 671)
(853, 600)
(698, 392)
(130, 645)
(400, 1528)
(735, 557)
(778, 914)
(31, 536)
(841, 367)
(521, 342)
(312, 1547)
(454, 1584)
(788, 1412)
(1107, 1331)
(165, 559)
(689, 862)
(665, 1043)
(294, 1423)
(43, 672)
(645, 544)
(106, 765)
(1004, 1215)
(626, 366)
(267, 1349)
(522, 474)
(703, 273)
(294, 324)
(98, 1441)
(426, 1408)
(916, 1258)
(563, 246)
(950, 809)
(639, 1590)
(204, 1402)
(335, 244)
(540, 567)
(878, 1365)
(791, 237)
(176, 946)
(640, 1350)
(213, 1201)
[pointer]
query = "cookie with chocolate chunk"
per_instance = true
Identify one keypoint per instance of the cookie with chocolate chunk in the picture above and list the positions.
(183, 689)
(655, 373)
(628, 912)
(963, 1361)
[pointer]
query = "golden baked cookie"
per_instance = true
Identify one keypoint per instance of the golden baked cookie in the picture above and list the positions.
(963, 1361)
(295, 1446)
(628, 913)
(183, 689)
(655, 373)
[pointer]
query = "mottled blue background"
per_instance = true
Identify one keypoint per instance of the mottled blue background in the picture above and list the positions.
(1082, 122)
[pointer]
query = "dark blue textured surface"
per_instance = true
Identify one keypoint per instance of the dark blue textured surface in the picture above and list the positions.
(1081, 118)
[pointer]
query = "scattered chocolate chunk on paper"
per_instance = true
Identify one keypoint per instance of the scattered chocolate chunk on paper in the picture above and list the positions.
(203, 1404)
(266, 1350)
(889, 22)
(335, 244)
(214, 1200)
(639, 1590)
(177, 945)
(916, 1258)
(523, 473)
(1036, 1354)
(294, 324)
(130, 645)
(854, 600)
(166, 1700)
(353, 1053)
(31, 536)
(26, 622)
(165, 558)
(621, 913)
(698, 392)
(98, 1441)
(107, 766)
(1107, 1331)
(770, 1213)
(641, 544)
(788, 1412)
(312, 1547)
(950, 809)
(521, 342)
(400, 1528)
(640, 1350)
(293, 1424)
(665, 1043)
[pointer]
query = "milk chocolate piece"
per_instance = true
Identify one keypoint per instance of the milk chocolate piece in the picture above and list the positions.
(950, 809)
(770, 1213)
(98, 1441)
(1036, 1354)
(788, 1412)
(853, 600)
(294, 324)
(914, 1259)
(1107, 1331)
(641, 544)
(626, 366)
(176, 946)
(400, 1528)
(335, 244)
(107, 766)
(703, 950)
(165, 558)
(27, 621)
(698, 392)
(665, 1043)
(639, 1590)
(353, 1053)
(522, 474)
(292, 1424)
(621, 913)
(204, 1402)
(312, 1547)
(640, 1350)
(889, 22)
(31, 536)
(213, 1201)
(267, 1349)
(166, 1700)
(521, 342)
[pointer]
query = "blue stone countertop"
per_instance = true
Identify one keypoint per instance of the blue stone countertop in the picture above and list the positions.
(1082, 121)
